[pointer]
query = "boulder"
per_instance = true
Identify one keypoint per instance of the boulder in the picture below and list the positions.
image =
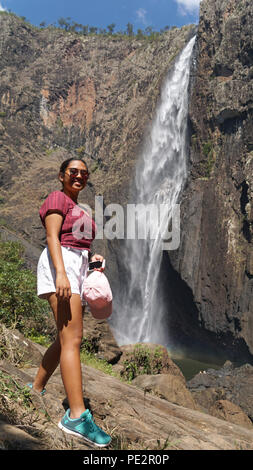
(169, 387)
(100, 339)
(225, 409)
(228, 383)
(148, 356)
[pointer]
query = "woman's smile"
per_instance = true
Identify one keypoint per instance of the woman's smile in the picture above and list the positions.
(79, 182)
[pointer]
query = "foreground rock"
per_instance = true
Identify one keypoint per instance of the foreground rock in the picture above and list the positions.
(169, 387)
(134, 419)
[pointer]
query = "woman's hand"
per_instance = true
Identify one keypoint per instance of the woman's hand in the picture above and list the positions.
(97, 257)
(63, 288)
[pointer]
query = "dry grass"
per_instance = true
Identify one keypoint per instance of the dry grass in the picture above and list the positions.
(9, 348)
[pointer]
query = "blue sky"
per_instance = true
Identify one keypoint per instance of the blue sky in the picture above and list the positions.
(101, 13)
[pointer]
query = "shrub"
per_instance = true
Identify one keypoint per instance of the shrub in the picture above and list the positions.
(142, 361)
(19, 305)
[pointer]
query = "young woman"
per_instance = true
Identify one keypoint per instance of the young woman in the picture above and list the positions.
(62, 268)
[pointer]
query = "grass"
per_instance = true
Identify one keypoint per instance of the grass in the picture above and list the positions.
(10, 390)
(39, 338)
(89, 359)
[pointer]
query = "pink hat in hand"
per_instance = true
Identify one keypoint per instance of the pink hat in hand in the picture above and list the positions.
(97, 292)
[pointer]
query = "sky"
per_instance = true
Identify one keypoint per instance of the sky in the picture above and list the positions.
(101, 13)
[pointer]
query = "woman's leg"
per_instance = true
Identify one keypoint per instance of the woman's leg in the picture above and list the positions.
(68, 317)
(48, 365)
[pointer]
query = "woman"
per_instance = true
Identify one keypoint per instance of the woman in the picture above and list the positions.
(62, 267)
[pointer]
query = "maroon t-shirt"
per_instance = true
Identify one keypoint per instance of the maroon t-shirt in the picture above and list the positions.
(78, 229)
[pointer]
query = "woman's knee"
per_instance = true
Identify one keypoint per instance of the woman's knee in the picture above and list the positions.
(71, 339)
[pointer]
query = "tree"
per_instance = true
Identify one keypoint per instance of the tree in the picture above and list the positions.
(93, 29)
(65, 23)
(85, 29)
(130, 29)
(75, 26)
(148, 30)
(166, 28)
(111, 27)
(62, 23)
(140, 34)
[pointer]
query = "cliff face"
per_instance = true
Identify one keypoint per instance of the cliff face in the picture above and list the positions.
(215, 258)
(60, 92)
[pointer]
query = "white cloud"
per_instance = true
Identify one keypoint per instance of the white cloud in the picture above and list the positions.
(141, 15)
(2, 8)
(188, 6)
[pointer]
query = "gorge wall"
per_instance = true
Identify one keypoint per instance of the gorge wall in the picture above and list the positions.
(61, 92)
(215, 258)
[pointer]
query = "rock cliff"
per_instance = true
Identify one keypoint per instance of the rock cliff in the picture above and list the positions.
(213, 266)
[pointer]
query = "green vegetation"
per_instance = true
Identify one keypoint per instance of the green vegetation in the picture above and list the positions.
(17, 407)
(143, 361)
(88, 353)
(19, 305)
(90, 359)
(207, 148)
(39, 338)
(71, 26)
(209, 153)
(9, 388)
(67, 24)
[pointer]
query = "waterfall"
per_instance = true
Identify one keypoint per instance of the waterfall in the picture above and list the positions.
(161, 171)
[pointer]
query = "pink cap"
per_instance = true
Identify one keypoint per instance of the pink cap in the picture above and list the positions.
(97, 292)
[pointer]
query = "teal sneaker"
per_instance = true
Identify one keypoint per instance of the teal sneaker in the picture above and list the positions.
(85, 428)
(42, 393)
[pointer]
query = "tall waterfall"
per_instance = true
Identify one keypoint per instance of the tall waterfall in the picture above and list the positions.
(160, 176)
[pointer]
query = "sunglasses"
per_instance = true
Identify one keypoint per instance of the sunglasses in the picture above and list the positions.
(74, 172)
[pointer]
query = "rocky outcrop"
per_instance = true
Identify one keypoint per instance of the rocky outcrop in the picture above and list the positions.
(234, 384)
(227, 410)
(150, 358)
(135, 420)
(211, 274)
(156, 411)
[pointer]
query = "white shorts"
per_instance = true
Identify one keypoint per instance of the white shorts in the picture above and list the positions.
(76, 266)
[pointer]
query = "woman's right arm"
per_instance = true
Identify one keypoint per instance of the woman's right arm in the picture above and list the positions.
(53, 223)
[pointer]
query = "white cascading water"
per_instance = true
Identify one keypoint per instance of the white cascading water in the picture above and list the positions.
(160, 175)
